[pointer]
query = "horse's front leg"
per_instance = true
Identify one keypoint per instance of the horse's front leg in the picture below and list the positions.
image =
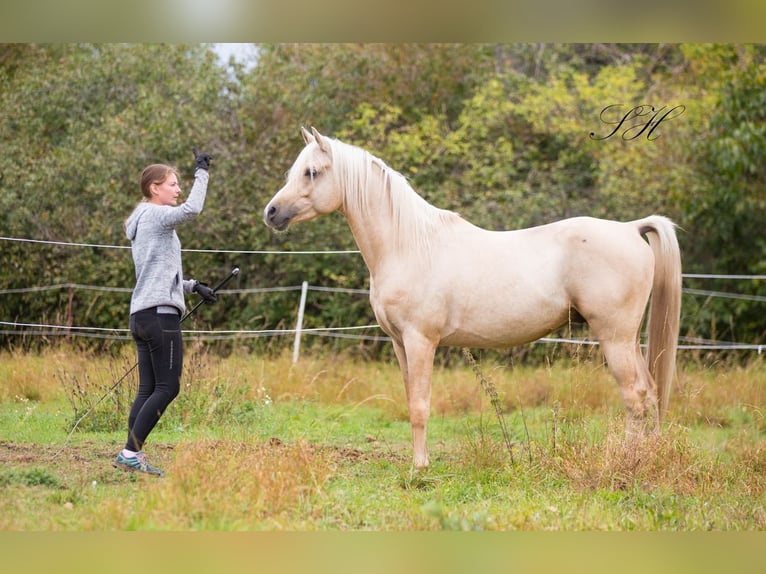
(417, 368)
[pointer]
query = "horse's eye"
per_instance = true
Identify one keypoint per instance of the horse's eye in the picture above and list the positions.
(311, 172)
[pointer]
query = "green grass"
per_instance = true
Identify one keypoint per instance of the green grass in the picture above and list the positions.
(262, 445)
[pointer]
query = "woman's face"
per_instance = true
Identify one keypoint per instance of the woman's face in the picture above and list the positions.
(167, 192)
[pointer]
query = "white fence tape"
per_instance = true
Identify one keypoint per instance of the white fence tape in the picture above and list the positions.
(40, 329)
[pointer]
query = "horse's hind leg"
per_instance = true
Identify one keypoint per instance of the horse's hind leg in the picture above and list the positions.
(639, 392)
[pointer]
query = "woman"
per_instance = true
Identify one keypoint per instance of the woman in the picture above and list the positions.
(158, 299)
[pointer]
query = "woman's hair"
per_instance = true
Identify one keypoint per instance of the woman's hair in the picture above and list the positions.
(155, 173)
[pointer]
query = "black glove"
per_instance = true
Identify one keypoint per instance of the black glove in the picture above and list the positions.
(202, 160)
(207, 294)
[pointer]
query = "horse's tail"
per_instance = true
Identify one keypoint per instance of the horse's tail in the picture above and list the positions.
(665, 307)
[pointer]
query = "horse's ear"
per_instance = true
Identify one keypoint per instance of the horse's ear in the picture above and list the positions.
(307, 137)
(323, 145)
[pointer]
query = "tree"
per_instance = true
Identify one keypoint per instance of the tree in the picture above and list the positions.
(727, 205)
(80, 122)
(499, 133)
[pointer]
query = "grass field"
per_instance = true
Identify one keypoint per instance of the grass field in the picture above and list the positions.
(259, 444)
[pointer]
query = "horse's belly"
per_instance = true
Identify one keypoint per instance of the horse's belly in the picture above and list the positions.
(471, 313)
(498, 329)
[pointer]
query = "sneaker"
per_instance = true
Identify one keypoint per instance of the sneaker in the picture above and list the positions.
(136, 463)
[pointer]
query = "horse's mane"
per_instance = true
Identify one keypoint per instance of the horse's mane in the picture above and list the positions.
(414, 219)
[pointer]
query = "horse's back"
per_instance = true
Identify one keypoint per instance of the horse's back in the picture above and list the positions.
(502, 288)
(561, 247)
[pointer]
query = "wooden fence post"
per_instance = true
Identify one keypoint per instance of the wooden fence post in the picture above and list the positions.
(299, 325)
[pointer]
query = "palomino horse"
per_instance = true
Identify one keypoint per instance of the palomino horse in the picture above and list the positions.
(436, 279)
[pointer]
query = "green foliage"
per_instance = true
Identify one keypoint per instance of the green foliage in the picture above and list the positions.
(728, 207)
(80, 124)
(28, 477)
(499, 133)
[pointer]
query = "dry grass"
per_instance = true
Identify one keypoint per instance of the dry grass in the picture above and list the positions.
(324, 445)
(721, 397)
(700, 394)
(713, 397)
(212, 484)
(324, 380)
(663, 461)
(36, 376)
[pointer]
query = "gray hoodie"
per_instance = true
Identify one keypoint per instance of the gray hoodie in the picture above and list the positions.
(157, 249)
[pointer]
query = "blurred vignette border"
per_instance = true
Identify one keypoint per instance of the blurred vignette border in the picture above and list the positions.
(373, 553)
(393, 21)
(390, 21)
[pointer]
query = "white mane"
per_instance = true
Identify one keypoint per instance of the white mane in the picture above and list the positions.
(368, 192)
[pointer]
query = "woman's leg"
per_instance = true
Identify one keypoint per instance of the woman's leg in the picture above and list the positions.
(160, 361)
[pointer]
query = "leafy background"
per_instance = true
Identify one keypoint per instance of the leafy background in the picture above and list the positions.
(497, 132)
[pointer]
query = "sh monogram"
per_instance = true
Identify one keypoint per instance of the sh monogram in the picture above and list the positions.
(636, 121)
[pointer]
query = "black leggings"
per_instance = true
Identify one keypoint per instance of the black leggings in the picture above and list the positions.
(160, 361)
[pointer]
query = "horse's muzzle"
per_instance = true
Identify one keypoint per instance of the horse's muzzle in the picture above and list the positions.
(274, 219)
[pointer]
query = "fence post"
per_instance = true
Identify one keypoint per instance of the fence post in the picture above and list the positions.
(299, 325)
(69, 317)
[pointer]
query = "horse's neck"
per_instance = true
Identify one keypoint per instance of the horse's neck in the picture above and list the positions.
(386, 225)
(374, 236)
(368, 210)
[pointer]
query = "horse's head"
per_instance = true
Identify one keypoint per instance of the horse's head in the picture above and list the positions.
(310, 189)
